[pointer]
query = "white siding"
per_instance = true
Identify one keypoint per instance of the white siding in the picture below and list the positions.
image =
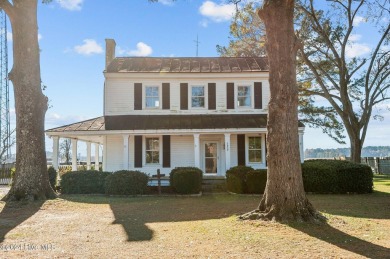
(233, 150)
(114, 153)
(119, 93)
(266, 94)
(182, 151)
(119, 97)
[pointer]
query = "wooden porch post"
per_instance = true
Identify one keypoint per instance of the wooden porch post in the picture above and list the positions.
(56, 140)
(227, 152)
(74, 154)
(196, 150)
(88, 155)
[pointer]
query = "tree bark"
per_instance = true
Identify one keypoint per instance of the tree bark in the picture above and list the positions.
(31, 180)
(284, 198)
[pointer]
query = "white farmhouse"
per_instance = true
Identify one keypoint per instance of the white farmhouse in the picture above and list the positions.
(162, 113)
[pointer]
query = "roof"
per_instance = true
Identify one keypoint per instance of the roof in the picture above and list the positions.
(95, 124)
(161, 122)
(188, 65)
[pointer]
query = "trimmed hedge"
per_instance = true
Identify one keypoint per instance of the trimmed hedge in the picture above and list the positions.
(126, 182)
(335, 176)
(52, 177)
(319, 176)
(186, 180)
(236, 178)
(256, 181)
(83, 182)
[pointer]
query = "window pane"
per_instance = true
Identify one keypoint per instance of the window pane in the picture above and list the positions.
(254, 142)
(197, 101)
(243, 91)
(197, 91)
(151, 91)
(152, 147)
(254, 156)
(152, 102)
(244, 101)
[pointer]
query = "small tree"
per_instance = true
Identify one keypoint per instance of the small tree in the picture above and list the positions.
(65, 150)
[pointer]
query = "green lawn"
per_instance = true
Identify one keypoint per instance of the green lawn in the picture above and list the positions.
(82, 226)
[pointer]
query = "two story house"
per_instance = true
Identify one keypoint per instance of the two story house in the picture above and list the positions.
(162, 113)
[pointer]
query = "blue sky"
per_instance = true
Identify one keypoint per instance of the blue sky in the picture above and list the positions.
(71, 39)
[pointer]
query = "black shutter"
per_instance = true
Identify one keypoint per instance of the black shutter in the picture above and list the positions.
(212, 96)
(258, 95)
(183, 96)
(137, 96)
(230, 95)
(166, 105)
(138, 151)
(241, 149)
(166, 145)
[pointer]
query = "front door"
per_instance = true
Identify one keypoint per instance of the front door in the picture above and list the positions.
(211, 157)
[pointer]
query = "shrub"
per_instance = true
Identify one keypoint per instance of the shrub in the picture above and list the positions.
(256, 181)
(52, 177)
(83, 182)
(126, 183)
(236, 178)
(335, 176)
(186, 180)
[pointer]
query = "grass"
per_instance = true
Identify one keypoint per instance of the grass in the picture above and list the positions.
(88, 226)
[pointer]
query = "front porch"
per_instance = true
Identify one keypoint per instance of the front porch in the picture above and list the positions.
(213, 150)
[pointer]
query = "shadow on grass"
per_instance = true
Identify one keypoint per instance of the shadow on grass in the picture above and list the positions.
(135, 213)
(333, 236)
(15, 213)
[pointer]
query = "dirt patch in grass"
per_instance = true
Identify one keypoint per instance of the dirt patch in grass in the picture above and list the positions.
(81, 226)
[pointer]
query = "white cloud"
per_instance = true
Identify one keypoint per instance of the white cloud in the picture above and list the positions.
(217, 12)
(358, 20)
(355, 37)
(141, 51)
(357, 50)
(89, 47)
(71, 5)
(39, 36)
(166, 2)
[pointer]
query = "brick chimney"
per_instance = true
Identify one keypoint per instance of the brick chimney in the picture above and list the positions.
(110, 51)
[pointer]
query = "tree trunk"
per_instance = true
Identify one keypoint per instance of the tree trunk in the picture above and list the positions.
(284, 198)
(31, 180)
(356, 148)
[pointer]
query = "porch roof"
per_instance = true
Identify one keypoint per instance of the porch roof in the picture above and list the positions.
(167, 122)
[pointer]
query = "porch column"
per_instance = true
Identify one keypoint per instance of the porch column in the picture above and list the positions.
(104, 162)
(196, 150)
(263, 147)
(126, 152)
(74, 154)
(56, 140)
(227, 151)
(88, 155)
(97, 156)
(301, 153)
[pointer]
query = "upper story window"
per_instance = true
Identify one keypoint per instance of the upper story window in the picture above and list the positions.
(243, 96)
(152, 98)
(254, 149)
(152, 150)
(197, 97)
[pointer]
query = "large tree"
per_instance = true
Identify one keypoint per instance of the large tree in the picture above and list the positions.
(31, 179)
(338, 91)
(352, 85)
(284, 197)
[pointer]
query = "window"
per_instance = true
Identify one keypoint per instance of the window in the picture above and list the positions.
(197, 97)
(152, 150)
(152, 99)
(243, 96)
(254, 149)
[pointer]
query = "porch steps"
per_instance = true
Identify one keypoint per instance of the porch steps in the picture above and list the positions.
(215, 184)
